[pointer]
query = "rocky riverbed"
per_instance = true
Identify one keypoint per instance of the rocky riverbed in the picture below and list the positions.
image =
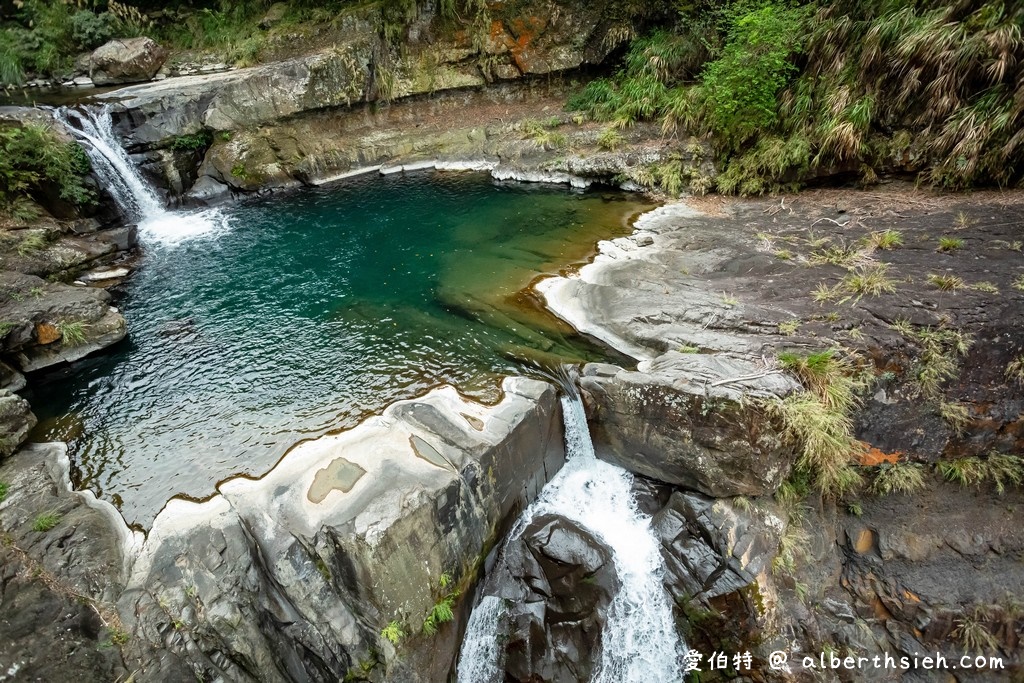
(329, 566)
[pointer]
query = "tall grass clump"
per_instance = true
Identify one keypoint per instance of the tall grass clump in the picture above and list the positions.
(819, 419)
(786, 91)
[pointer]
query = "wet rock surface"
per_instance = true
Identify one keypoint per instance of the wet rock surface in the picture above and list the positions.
(62, 563)
(734, 281)
(556, 580)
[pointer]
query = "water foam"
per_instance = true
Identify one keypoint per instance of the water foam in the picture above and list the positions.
(639, 641)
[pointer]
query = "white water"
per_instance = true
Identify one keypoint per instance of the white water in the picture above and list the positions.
(138, 201)
(639, 642)
(479, 659)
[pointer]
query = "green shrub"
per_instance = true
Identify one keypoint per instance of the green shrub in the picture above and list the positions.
(90, 30)
(32, 157)
(739, 90)
(192, 142)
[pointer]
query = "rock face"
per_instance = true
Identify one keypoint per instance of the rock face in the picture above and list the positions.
(293, 577)
(62, 563)
(16, 421)
(53, 323)
(556, 581)
(671, 422)
(711, 549)
(127, 60)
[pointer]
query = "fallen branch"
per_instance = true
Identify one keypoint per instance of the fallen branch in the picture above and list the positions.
(745, 378)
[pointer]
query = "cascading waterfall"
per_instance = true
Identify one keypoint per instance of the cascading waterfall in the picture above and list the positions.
(136, 199)
(639, 642)
(478, 661)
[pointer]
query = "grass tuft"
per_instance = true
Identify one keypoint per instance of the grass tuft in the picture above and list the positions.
(72, 333)
(610, 139)
(950, 244)
(870, 281)
(898, 477)
(1015, 370)
(46, 521)
(886, 240)
(947, 283)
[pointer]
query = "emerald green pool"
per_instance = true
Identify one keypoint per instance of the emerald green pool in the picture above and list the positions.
(312, 311)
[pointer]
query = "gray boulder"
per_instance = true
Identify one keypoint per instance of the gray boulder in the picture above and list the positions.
(556, 581)
(695, 420)
(711, 548)
(128, 60)
(16, 420)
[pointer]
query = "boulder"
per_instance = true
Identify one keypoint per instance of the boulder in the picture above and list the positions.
(57, 578)
(16, 420)
(694, 421)
(556, 581)
(128, 60)
(711, 548)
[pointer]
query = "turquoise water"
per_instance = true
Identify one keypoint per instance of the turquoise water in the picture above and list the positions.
(311, 312)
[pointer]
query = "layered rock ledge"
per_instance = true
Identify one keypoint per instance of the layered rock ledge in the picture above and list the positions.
(295, 575)
(705, 294)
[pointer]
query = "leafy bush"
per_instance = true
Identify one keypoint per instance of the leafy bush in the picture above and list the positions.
(90, 30)
(192, 142)
(32, 157)
(393, 632)
(739, 90)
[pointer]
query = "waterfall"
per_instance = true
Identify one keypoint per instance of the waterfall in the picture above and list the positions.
(137, 200)
(480, 656)
(639, 641)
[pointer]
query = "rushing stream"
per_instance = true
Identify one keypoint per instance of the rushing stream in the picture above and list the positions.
(639, 642)
(267, 322)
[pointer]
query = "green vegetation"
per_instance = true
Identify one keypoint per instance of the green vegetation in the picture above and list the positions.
(4, 490)
(998, 468)
(610, 139)
(789, 328)
(795, 540)
(32, 243)
(972, 630)
(898, 477)
(193, 142)
(393, 632)
(33, 159)
(948, 244)
(956, 415)
(947, 283)
(788, 89)
(820, 420)
(939, 350)
(45, 521)
(119, 636)
(1018, 283)
(885, 240)
(71, 333)
(869, 281)
(1015, 370)
(440, 613)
